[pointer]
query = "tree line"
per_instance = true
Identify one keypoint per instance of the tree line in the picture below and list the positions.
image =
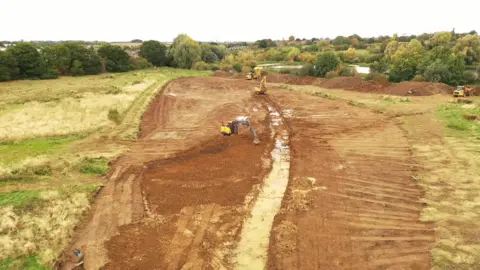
(26, 60)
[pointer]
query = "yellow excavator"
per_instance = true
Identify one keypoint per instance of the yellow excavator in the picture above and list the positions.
(463, 91)
(263, 86)
(230, 128)
(255, 75)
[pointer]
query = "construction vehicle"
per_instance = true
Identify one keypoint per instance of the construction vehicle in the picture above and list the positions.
(256, 74)
(263, 86)
(463, 91)
(232, 127)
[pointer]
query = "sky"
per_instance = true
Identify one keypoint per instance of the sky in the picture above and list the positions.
(217, 20)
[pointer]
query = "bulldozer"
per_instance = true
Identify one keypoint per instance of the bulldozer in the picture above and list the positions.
(232, 127)
(254, 75)
(463, 91)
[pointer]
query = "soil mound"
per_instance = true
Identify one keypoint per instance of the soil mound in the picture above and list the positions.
(418, 89)
(354, 84)
(273, 78)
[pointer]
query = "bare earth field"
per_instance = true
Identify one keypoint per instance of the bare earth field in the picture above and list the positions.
(341, 180)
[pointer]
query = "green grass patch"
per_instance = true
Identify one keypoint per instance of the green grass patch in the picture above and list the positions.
(357, 103)
(94, 166)
(19, 198)
(453, 117)
(114, 116)
(25, 263)
(12, 151)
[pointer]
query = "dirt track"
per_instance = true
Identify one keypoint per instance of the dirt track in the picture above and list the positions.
(179, 198)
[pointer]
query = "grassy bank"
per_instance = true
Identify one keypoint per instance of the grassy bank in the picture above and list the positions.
(56, 140)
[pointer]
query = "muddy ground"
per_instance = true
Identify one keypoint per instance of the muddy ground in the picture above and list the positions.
(179, 199)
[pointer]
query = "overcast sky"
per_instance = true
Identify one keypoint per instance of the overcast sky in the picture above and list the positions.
(217, 20)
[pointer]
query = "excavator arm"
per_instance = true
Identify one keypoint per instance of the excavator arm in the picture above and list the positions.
(243, 121)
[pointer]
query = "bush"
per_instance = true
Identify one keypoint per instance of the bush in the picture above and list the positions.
(376, 76)
(114, 116)
(306, 70)
(200, 65)
(331, 74)
(49, 75)
(141, 63)
(214, 67)
(237, 67)
(246, 69)
(347, 71)
(284, 71)
(325, 63)
(470, 76)
(94, 166)
(418, 78)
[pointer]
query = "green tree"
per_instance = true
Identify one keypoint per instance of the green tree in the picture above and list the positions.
(186, 51)
(440, 39)
(29, 60)
(8, 67)
(350, 55)
(325, 63)
(208, 55)
(77, 69)
(469, 48)
(449, 70)
(154, 52)
(117, 60)
(220, 51)
(293, 53)
(89, 58)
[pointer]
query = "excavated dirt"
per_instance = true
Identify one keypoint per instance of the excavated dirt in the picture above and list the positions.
(351, 202)
(419, 89)
(177, 197)
(401, 89)
(273, 78)
(185, 197)
(355, 84)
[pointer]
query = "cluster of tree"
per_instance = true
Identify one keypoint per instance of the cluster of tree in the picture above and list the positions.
(24, 60)
(265, 43)
(441, 58)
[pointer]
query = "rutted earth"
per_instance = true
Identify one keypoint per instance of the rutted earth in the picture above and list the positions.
(185, 197)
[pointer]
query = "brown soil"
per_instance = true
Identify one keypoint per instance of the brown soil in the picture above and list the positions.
(351, 202)
(355, 84)
(400, 89)
(177, 199)
(419, 89)
(274, 78)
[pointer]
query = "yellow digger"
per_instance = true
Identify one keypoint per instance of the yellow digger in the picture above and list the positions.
(230, 128)
(463, 91)
(263, 86)
(255, 75)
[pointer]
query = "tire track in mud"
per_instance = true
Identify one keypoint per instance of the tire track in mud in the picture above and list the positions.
(352, 202)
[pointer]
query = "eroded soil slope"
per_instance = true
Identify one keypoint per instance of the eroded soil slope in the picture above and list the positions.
(352, 202)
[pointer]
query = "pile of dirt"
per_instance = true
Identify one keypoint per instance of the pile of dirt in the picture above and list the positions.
(418, 89)
(376, 86)
(273, 78)
(354, 84)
